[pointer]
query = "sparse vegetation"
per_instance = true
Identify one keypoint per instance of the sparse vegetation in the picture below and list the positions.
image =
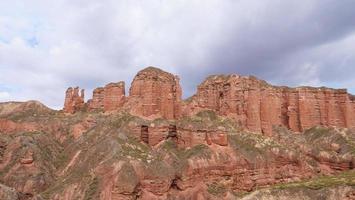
(216, 189)
(91, 192)
(208, 119)
(169, 146)
(133, 149)
(253, 146)
(112, 142)
(200, 150)
(345, 178)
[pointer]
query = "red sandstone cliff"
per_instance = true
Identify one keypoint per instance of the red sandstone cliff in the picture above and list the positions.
(253, 104)
(108, 98)
(155, 93)
(258, 106)
(45, 154)
(73, 101)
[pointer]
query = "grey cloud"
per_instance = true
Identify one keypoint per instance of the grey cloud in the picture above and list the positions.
(91, 43)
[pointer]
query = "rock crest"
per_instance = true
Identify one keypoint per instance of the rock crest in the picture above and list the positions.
(156, 93)
(108, 98)
(73, 101)
(258, 106)
(254, 104)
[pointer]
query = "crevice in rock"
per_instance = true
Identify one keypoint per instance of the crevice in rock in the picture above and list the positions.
(145, 134)
(174, 184)
(137, 192)
(25, 196)
(351, 165)
(2, 151)
(172, 132)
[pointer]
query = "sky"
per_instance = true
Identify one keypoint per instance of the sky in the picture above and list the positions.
(48, 46)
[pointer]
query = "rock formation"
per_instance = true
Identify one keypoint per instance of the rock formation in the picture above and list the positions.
(108, 98)
(253, 104)
(152, 145)
(97, 101)
(73, 101)
(155, 93)
(258, 106)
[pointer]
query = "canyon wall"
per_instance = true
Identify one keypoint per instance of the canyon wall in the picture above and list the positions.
(252, 103)
(258, 106)
(108, 98)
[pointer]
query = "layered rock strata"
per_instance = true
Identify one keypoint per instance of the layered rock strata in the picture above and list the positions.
(258, 106)
(108, 98)
(96, 156)
(73, 101)
(155, 93)
(252, 103)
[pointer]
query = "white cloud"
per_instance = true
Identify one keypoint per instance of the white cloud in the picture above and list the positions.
(46, 46)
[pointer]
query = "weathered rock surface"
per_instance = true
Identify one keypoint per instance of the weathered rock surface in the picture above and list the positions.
(151, 145)
(73, 101)
(9, 126)
(258, 106)
(7, 193)
(252, 103)
(95, 155)
(108, 98)
(155, 93)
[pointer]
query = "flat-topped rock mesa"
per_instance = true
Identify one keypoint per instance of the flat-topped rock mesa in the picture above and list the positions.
(252, 103)
(258, 106)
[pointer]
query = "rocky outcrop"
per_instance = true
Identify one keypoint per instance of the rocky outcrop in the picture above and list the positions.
(252, 103)
(27, 159)
(108, 98)
(97, 101)
(26, 162)
(73, 101)
(9, 126)
(155, 93)
(95, 155)
(258, 106)
(205, 128)
(7, 193)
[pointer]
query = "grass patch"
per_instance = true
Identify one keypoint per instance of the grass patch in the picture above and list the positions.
(91, 192)
(134, 149)
(61, 160)
(316, 133)
(216, 189)
(200, 150)
(208, 119)
(169, 146)
(345, 178)
(121, 119)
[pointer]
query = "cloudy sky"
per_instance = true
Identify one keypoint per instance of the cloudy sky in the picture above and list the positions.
(47, 46)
